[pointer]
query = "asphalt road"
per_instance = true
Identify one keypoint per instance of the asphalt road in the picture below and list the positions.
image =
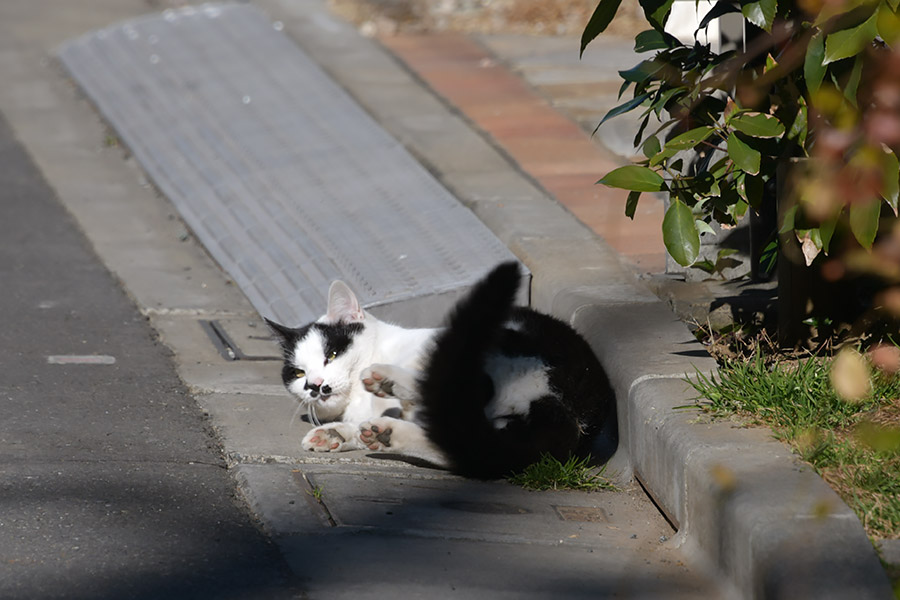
(111, 484)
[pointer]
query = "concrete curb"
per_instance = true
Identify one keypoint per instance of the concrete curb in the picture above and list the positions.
(769, 523)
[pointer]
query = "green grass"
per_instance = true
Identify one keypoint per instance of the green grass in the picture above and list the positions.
(854, 446)
(317, 492)
(551, 474)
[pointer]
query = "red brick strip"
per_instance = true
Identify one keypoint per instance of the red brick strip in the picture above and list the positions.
(547, 145)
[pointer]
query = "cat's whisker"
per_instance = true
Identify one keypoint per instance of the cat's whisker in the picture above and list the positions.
(313, 417)
(294, 416)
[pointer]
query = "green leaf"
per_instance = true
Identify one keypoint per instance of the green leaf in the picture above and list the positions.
(768, 258)
(690, 138)
(745, 158)
(826, 231)
(653, 39)
(850, 42)
(790, 215)
(634, 178)
(631, 204)
(814, 63)
(684, 141)
(889, 23)
(853, 80)
(656, 12)
(705, 265)
(800, 126)
(680, 234)
(642, 71)
(761, 13)
(891, 185)
(660, 103)
(758, 125)
(650, 147)
(640, 131)
(599, 21)
(864, 218)
(622, 108)
(722, 7)
(739, 209)
(703, 227)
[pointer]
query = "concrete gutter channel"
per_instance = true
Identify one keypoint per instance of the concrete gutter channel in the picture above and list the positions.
(769, 524)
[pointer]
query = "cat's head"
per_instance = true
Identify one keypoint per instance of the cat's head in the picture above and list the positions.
(322, 360)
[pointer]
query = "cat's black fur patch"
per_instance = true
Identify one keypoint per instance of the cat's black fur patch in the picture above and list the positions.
(455, 387)
(338, 336)
(396, 413)
(288, 336)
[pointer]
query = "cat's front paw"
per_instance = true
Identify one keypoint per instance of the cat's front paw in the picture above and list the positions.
(335, 437)
(377, 382)
(390, 381)
(375, 435)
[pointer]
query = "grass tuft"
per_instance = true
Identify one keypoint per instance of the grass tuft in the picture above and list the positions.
(551, 474)
(853, 445)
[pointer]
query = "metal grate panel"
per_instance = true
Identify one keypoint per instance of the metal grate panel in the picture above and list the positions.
(281, 175)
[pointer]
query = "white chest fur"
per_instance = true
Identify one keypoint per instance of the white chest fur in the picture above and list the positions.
(517, 382)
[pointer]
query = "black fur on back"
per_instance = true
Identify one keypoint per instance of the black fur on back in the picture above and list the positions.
(456, 388)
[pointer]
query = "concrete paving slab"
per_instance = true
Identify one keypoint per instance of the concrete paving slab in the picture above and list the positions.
(365, 566)
(258, 427)
(428, 505)
(355, 529)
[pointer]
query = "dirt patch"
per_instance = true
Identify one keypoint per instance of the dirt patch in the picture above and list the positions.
(536, 17)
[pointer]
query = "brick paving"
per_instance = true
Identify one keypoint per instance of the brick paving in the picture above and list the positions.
(546, 144)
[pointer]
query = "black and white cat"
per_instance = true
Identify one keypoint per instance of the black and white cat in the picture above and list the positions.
(486, 396)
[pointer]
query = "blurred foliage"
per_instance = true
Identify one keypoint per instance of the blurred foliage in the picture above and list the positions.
(817, 80)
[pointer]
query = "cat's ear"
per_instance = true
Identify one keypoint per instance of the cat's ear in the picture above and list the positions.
(343, 307)
(285, 334)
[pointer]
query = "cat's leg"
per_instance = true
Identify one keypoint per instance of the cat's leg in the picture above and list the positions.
(390, 380)
(332, 437)
(386, 434)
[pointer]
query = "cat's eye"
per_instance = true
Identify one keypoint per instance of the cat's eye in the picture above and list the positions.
(331, 356)
(299, 373)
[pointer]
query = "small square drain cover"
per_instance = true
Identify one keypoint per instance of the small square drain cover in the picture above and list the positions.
(584, 514)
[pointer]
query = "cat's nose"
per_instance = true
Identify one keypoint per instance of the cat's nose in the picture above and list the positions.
(315, 388)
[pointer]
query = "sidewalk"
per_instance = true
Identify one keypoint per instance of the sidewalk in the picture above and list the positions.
(547, 144)
(390, 528)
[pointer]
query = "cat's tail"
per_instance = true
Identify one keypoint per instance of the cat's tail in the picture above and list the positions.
(455, 387)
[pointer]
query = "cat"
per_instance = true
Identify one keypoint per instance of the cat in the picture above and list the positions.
(489, 394)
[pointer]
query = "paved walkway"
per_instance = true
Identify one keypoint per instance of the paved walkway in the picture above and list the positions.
(352, 525)
(533, 119)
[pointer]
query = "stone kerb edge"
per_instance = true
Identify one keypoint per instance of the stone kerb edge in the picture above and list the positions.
(762, 517)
